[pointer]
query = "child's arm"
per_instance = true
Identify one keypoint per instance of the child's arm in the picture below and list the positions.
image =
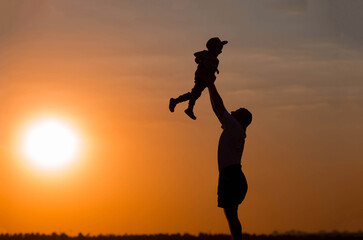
(199, 56)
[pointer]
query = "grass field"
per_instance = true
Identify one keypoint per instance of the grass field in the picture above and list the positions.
(201, 236)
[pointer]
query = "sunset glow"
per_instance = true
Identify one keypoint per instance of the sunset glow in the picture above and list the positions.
(50, 144)
(88, 143)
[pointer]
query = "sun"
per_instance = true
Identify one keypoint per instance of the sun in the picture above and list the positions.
(50, 144)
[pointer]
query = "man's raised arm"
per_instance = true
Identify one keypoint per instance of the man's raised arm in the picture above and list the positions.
(216, 101)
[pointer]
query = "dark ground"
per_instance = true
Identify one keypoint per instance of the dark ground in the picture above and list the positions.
(201, 236)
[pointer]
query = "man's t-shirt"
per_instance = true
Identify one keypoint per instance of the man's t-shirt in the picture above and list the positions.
(231, 142)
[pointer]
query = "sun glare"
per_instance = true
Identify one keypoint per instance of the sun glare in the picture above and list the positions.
(50, 144)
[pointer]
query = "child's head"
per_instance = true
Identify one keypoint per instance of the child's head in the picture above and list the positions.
(215, 45)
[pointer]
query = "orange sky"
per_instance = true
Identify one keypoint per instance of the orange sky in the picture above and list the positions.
(110, 67)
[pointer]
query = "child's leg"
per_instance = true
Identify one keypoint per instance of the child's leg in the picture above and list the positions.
(196, 93)
(183, 98)
(191, 96)
(174, 101)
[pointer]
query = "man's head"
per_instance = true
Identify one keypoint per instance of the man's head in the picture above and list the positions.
(243, 116)
(215, 45)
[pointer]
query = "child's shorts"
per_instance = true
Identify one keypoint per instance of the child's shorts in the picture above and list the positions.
(232, 186)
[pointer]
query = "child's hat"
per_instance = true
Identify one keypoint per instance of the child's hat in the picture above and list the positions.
(215, 42)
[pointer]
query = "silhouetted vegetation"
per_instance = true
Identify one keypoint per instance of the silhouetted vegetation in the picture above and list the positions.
(292, 235)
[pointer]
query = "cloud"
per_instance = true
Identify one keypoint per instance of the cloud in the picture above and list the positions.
(347, 18)
(290, 7)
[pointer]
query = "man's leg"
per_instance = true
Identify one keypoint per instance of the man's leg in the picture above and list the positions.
(233, 222)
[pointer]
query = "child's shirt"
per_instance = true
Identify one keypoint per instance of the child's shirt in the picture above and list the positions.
(207, 65)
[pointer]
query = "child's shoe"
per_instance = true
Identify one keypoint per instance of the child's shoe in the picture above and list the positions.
(190, 113)
(172, 104)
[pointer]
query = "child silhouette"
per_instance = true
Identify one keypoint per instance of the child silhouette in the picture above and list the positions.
(207, 67)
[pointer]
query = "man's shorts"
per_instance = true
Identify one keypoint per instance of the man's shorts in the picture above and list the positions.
(232, 186)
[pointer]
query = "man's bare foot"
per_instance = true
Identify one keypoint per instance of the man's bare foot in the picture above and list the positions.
(190, 113)
(172, 104)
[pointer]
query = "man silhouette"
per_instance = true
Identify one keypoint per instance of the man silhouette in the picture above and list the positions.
(232, 184)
